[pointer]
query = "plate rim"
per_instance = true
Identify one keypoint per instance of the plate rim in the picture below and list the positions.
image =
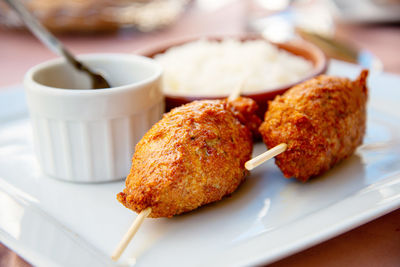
(303, 244)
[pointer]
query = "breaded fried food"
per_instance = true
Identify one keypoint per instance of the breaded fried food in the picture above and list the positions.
(322, 121)
(193, 156)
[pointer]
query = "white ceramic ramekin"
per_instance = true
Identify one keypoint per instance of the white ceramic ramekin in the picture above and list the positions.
(86, 135)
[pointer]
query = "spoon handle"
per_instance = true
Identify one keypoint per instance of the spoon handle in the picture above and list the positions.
(42, 33)
(53, 43)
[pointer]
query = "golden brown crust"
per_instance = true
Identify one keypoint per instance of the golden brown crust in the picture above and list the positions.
(193, 156)
(322, 121)
(245, 110)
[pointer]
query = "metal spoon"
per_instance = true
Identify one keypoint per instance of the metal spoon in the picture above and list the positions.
(98, 81)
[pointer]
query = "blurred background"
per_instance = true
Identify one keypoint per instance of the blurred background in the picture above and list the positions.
(360, 31)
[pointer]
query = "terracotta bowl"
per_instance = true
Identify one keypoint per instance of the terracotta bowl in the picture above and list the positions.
(297, 47)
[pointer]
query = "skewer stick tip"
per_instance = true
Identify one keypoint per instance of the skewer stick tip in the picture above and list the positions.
(238, 89)
(254, 162)
(130, 234)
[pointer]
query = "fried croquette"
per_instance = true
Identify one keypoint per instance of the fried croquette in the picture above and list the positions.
(322, 121)
(193, 156)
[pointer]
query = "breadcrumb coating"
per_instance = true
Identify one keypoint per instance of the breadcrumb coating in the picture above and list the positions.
(322, 121)
(193, 156)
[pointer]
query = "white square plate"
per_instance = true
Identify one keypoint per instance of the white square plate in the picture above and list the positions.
(56, 223)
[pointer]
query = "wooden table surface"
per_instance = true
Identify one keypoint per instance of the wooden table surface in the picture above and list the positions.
(376, 243)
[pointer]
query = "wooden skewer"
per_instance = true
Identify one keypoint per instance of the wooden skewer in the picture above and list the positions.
(254, 162)
(130, 233)
(249, 165)
(144, 213)
(267, 155)
(236, 92)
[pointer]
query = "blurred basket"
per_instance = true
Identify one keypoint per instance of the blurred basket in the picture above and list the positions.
(98, 15)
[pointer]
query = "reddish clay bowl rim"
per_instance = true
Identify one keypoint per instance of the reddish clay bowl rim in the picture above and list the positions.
(298, 47)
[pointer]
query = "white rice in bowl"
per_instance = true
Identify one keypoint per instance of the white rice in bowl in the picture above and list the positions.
(211, 68)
